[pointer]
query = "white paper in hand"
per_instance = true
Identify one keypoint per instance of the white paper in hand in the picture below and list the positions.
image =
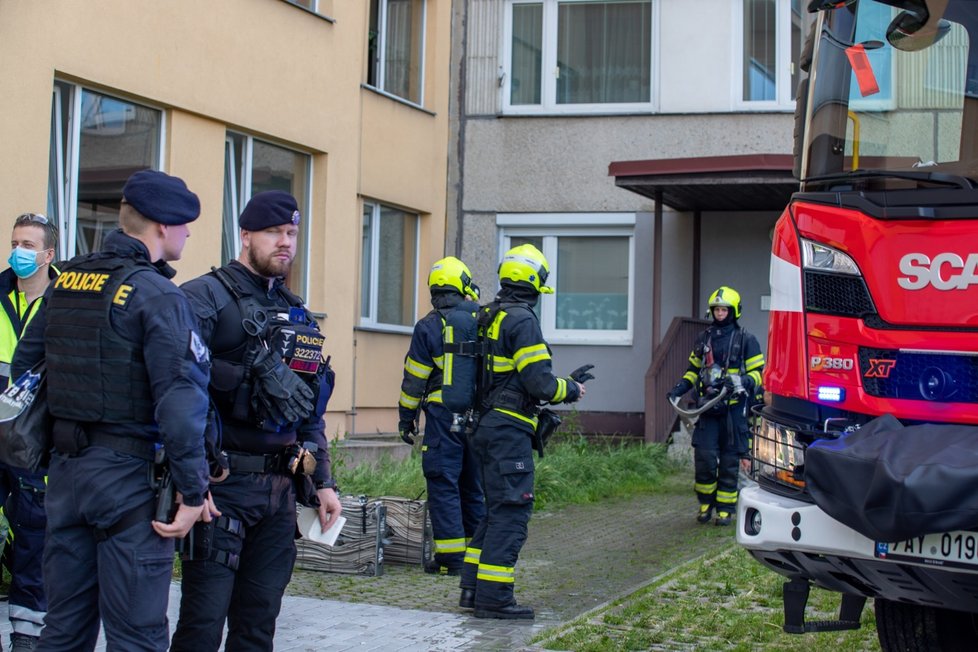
(311, 529)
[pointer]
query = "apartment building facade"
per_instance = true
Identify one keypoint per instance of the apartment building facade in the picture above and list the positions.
(344, 104)
(563, 106)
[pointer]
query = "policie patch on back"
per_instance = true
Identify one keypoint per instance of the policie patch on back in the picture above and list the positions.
(199, 350)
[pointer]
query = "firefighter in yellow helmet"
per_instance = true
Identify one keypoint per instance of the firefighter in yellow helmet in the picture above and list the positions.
(455, 501)
(725, 356)
(518, 370)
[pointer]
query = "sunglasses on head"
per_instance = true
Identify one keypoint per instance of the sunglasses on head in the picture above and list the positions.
(27, 218)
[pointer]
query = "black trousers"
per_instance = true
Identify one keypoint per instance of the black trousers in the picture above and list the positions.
(455, 501)
(250, 597)
(505, 456)
(719, 441)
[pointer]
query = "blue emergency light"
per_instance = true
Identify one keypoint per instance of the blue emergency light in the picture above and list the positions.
(831, 394)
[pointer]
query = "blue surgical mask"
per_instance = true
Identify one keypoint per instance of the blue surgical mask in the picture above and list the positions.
(23, 262)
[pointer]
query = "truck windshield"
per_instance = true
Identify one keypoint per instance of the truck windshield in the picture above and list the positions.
(893, 87)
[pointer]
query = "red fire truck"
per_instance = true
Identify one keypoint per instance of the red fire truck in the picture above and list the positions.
(874, 309)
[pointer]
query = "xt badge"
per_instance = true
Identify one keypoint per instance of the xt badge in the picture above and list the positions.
(880, 368)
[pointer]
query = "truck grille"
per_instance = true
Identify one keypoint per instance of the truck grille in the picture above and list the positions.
(837, 294)
(942, 378)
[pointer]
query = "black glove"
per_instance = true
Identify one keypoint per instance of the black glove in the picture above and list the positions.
(279, 390)
(680, 388)
(407, 429)
(581, 374)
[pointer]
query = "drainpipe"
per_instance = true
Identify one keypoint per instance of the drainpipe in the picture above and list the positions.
(657, 272)
(462, 119)
(697, 246)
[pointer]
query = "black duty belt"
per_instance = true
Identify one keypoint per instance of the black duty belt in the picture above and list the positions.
(255, 462)
(141, 448)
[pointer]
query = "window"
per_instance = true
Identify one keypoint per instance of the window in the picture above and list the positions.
(771, 32)
(591, 270)
(252, 166)
(388, 267)
(577, 55)
(395, 47)
(97, 142)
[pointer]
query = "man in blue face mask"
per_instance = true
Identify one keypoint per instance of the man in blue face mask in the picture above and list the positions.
(33, 242)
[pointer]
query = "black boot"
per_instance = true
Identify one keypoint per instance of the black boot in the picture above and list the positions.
(467, 599)
(706, 511)
(434, 568)
(510, 611)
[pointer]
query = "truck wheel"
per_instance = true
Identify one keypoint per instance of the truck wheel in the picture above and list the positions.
(915, 628)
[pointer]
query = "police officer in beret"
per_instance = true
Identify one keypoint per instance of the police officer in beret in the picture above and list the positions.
(127, 378)
(270, 383)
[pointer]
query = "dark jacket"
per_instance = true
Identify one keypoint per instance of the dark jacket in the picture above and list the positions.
(219, 317)
(157, 318)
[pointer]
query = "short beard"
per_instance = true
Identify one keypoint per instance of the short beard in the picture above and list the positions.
(270, 267)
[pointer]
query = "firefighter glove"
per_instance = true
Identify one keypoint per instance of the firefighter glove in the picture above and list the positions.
(278, 389)
(407, 429)
(735, 383)
(581, 374)
(680, 388)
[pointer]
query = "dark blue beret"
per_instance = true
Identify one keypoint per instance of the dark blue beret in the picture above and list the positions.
(161, 198)
(268, 209)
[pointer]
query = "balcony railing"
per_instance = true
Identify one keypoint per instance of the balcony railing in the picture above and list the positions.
(669, 362)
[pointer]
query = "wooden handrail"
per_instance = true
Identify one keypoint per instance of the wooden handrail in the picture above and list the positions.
(669, 361)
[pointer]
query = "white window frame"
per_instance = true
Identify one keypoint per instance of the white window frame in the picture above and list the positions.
(382, 53)
(551, 226)
(66, 199)
(548, 94)
(370, 321)
(783, 91)
(238, 200)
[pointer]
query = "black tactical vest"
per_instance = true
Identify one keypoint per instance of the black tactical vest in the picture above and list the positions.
(233, 350)
(93, 373)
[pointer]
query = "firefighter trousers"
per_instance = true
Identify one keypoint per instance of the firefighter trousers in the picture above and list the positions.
(719, 442)
(505, 455)
(455, 500)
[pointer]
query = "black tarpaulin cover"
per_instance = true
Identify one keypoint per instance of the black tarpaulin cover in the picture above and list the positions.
(889, 482)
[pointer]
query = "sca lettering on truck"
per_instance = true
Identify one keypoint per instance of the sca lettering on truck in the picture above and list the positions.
(946, 271)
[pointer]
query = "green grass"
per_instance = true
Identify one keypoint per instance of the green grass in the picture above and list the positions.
(724, 601)
(573, 471)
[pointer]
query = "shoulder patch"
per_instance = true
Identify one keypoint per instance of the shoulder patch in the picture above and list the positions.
(199, 350)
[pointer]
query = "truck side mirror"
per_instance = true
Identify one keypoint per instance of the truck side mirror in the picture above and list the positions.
(916, 28)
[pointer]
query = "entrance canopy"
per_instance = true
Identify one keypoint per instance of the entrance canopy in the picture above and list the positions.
(748, 182)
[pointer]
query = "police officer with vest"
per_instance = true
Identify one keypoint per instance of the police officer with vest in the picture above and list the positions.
(127, 384)
(455, 500)
(725, 356)
(519, 367)
(34, 239)
(270, 384)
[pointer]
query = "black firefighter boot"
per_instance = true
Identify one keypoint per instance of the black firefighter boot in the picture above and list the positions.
(706, 512)
(511, 611)
(467, 599)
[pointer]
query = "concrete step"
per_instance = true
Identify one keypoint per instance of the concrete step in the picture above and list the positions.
(355, 451)
(374, 436)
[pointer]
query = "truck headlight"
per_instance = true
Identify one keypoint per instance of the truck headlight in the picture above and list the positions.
(819, 257)
(779, 455)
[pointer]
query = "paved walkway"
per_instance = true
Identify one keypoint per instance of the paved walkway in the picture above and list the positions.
(575, 559)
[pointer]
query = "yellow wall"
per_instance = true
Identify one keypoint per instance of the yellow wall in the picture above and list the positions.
(271, 70)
